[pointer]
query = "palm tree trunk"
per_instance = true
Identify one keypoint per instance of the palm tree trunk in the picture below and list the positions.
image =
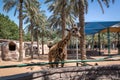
(32, 52)
(63, 16)
(63, 20)
(81, 21)
(38, 49)
(20, 32)
(43, 43)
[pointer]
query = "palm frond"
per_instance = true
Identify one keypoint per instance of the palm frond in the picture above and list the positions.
(101, 6)
(9, 4)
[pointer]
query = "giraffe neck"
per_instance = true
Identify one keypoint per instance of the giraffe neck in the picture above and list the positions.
(65, 40)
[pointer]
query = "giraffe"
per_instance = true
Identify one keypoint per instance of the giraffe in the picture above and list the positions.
(57, 52)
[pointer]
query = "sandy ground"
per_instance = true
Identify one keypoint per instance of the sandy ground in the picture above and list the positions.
(43, 58)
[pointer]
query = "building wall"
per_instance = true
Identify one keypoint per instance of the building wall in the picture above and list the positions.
(9, 53)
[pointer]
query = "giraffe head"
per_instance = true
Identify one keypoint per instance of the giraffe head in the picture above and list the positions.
(74, 31)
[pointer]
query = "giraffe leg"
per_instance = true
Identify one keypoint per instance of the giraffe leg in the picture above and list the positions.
(59, 57)
(56, 60)
(50, 60)
(63, 59)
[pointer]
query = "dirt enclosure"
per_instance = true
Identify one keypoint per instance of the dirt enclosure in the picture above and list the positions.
(44, 58)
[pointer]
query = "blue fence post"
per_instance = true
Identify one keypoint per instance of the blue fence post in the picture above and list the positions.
(99, 46)
(108, 37)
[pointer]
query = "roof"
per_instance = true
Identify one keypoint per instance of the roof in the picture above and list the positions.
(95, 27)
(114, 28)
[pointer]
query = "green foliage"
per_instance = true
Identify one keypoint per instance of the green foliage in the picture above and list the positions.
(103, 38)
(27, 36)
(8, 29)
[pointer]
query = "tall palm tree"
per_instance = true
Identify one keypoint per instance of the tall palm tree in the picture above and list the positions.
(41, 22)
(32, 9)
(20, 31)
(36, 36)
(8, 5)
(81, 21)
(19, 6)
(79, 9)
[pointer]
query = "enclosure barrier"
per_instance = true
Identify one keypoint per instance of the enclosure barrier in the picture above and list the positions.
(110, 72)
(67, 61)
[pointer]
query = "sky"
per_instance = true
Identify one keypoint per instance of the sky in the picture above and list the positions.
(94, 12)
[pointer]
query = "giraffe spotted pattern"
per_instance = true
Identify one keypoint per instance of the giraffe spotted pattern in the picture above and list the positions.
(58, 51)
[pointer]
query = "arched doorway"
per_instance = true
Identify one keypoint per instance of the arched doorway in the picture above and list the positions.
(12, 46)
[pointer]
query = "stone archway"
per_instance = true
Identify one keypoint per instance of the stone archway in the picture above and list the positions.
(12, 46)
(10, 51)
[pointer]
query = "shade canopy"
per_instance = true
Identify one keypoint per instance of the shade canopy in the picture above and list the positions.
(95, 27)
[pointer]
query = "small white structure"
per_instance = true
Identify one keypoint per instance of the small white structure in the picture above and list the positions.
(10, 50)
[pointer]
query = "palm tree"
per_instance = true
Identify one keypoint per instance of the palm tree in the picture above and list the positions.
(61, 12)
(20, 31)
(8, 5)
(37, 20)
(55, 21)
(79, 9)
(41, 22)
(32, 9)
(36, 36)
(21, 5)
